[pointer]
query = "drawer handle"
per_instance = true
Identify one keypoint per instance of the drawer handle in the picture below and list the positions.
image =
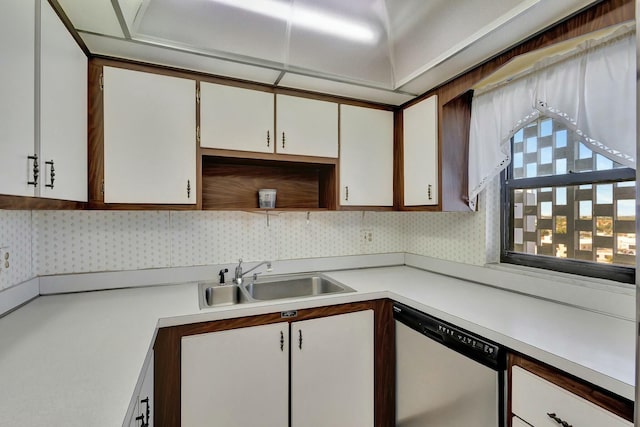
(559, 420)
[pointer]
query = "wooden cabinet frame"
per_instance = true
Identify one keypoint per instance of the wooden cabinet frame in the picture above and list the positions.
(167, 349)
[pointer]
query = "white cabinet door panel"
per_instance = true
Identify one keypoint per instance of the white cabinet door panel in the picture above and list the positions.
(237, 378)
(17, 44)
(366, 156)
(63, 111)
(332, 371)
(533, 398)
(149, 138)
(420, 142)
(306, 127)
(234, 118)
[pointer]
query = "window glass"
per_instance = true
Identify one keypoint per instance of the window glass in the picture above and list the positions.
(566, 216)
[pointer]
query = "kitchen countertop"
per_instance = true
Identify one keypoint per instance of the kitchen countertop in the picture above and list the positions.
(75, 359)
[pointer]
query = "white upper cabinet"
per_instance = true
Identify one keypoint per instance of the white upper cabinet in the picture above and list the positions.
(306, 127)
(17, 44)
(332, 371)
(366, 156)
(420, 143)
(234, 118)
(149, 138)
(63, 111)
(238, 377)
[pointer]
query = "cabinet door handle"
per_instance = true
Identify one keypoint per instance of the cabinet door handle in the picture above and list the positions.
(188, 189)
(300, 339)
(429, 192)
(281, 341)
(268, 139)
(52, 174)
(559, 420)
(346, 193)
(36, 170)
(284, 138)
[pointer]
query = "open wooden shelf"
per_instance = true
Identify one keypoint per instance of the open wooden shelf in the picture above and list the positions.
(233, 183)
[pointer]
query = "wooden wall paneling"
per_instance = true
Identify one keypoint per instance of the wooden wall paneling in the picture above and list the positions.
(328, 187)
(27, 203)
(455, 120)
(611, 402)
(167, 348)
(96, 135)
(385, 364)
(198, 152)
(398, 163)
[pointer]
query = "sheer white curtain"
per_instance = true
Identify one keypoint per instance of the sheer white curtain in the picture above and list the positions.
(591, 89)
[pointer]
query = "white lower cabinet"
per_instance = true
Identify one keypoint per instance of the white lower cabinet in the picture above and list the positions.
(241, 377)
(543, 404)
(143, 410)
(332, 371)
(238, 377)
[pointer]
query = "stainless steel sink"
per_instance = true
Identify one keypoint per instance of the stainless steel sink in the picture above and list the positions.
(291, 286)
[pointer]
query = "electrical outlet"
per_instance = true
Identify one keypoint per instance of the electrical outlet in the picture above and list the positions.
(4, 258)
(4, 265)
(367, 235)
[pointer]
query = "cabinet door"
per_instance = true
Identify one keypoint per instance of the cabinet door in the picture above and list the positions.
(366, 156)
(145, 400)
(234, 118)
(17, 44)
(149, 138)
(533, 399)
(236, 378)
(420, 130)
(332, 371)
(63, 111)
(306, 127)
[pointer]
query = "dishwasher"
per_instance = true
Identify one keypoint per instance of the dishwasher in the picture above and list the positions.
(445, 375)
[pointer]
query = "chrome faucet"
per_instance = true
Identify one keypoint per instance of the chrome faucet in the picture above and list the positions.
(237, 279)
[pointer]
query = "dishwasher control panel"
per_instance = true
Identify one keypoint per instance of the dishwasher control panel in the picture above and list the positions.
(473, 346)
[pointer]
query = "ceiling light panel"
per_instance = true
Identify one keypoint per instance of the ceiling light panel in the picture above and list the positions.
(347, 59)
(97, 16)
(205, 25)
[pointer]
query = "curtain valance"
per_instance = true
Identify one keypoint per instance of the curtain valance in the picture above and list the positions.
(591, 89)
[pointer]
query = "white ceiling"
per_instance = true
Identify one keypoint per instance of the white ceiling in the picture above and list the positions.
(405, 47)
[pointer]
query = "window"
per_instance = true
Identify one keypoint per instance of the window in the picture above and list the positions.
(566, 207)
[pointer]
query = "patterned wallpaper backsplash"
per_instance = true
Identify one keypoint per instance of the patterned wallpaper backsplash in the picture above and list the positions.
(16, 239)
(59, 242)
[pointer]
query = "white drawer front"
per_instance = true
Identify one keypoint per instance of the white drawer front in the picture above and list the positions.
(533, 398)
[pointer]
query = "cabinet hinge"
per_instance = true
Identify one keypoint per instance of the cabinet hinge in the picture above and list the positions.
(102, 188)
(198, 134)
(101, 81)
(197, 96)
